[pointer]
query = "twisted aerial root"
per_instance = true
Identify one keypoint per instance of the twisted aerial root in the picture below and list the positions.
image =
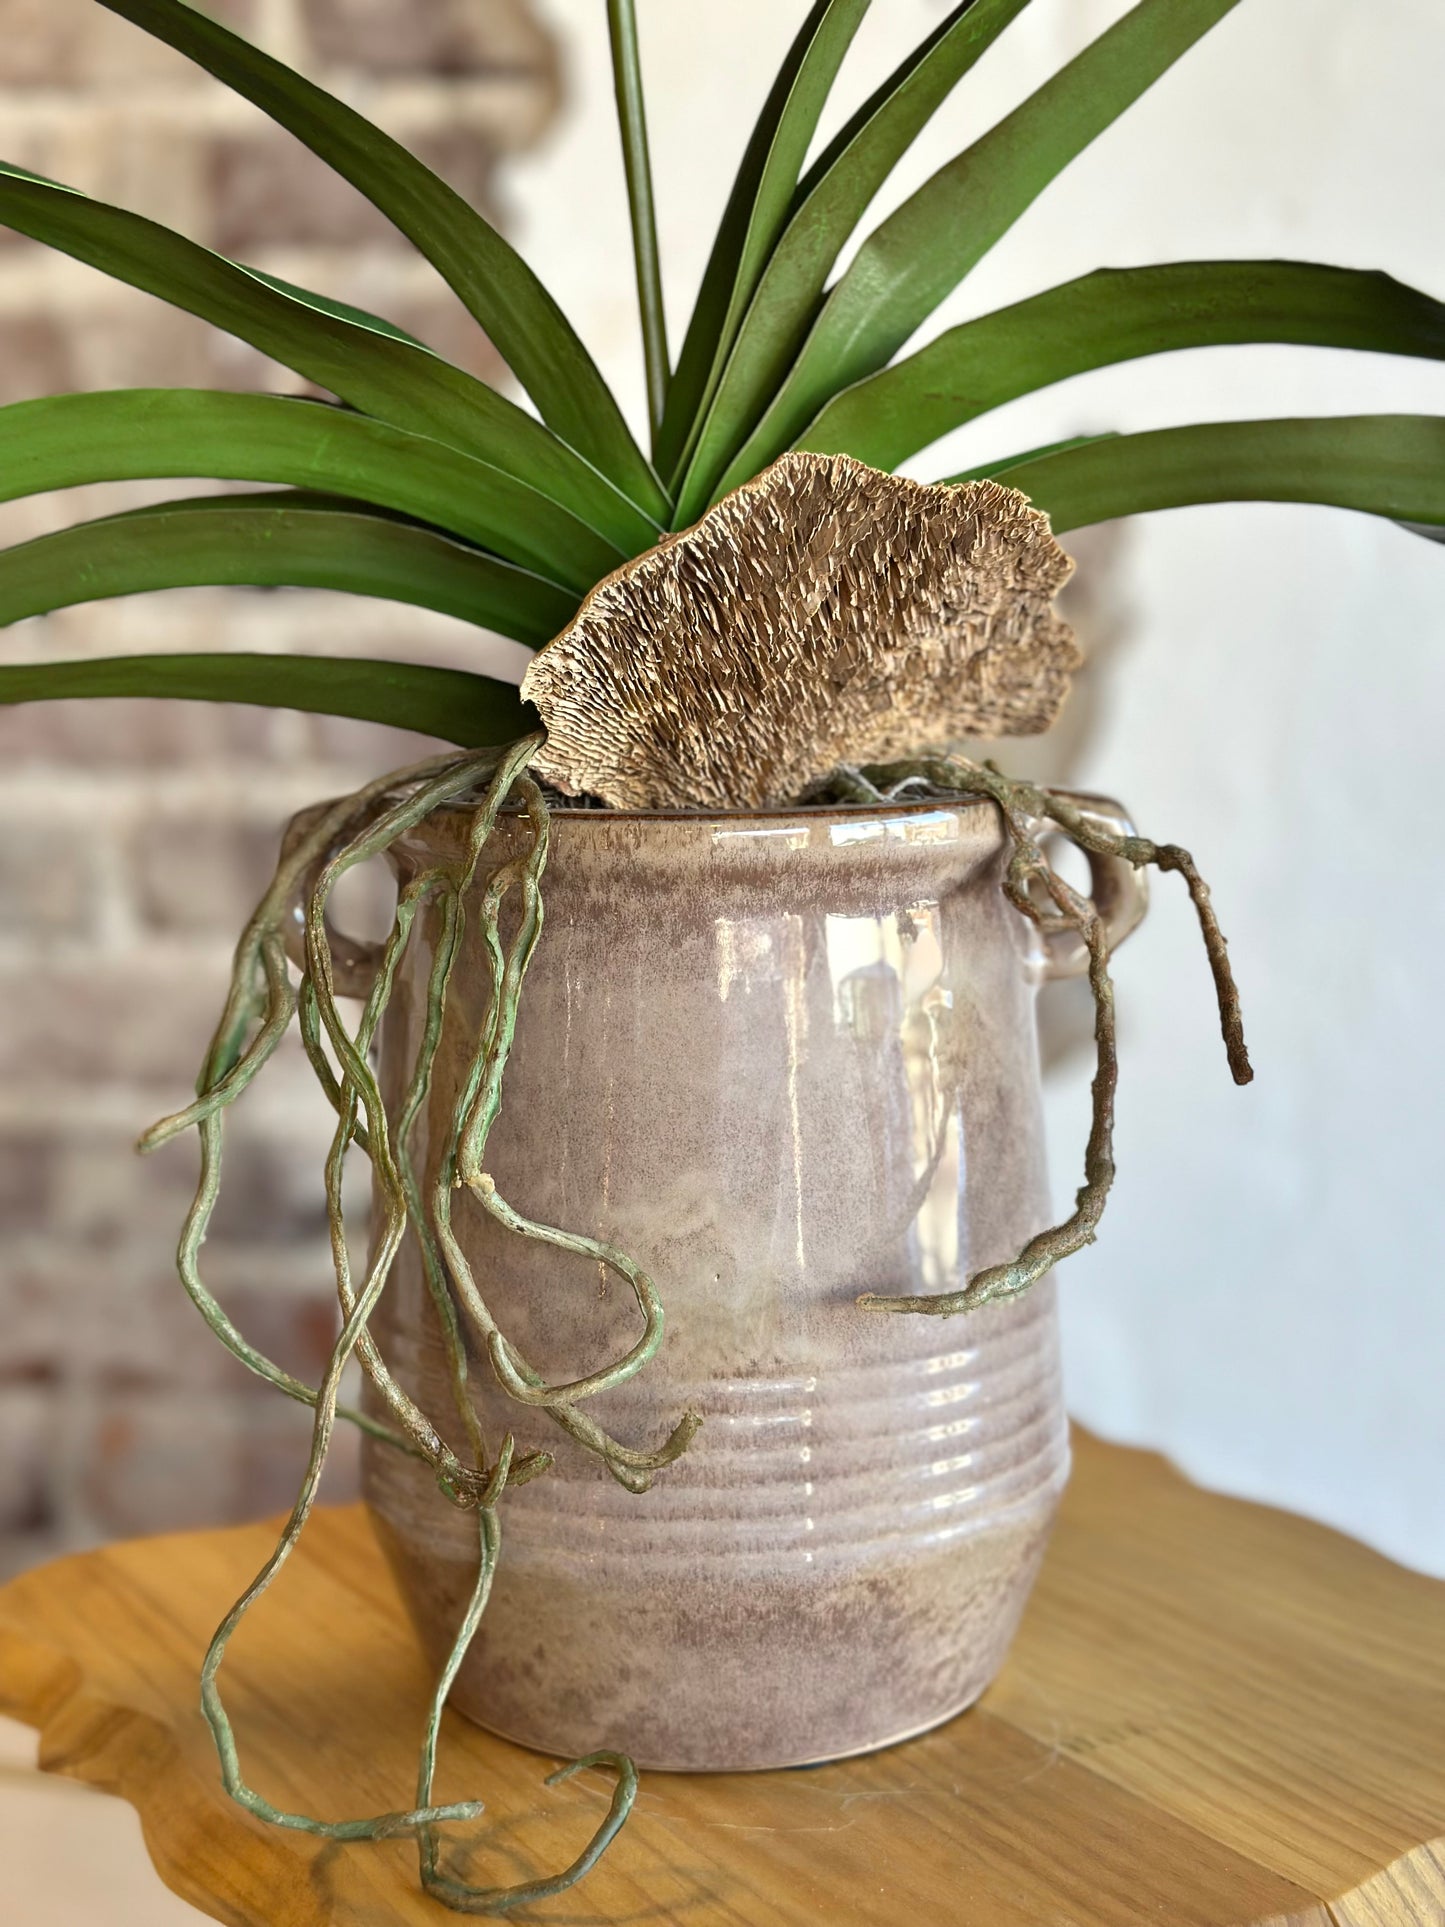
(461, 1166)
(1026, 809)
(258, 1011)
(1092, 838)
(456, 1894)
(358, 1083)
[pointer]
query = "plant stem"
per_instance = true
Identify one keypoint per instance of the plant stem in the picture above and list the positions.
(632, 124)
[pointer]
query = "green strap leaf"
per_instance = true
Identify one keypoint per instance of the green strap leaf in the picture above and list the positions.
(521, 319)
(376, 372)
(69, 441)
(342, 310)
(832, 199)
(923, 250)
(1002, 469)
(1391, 465)
(1116, 315)
(756, 211)
(453, 704)
(289, 539)
(637, 166)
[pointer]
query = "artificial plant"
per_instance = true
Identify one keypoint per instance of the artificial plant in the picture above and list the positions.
(423, 484)
(420, 483)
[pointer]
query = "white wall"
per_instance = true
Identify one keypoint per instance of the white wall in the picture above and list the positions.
(1266, 1300)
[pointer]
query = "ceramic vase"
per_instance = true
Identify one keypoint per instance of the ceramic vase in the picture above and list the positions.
(781, 1059)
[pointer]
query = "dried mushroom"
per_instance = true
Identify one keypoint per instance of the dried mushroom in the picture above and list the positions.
(825, 613)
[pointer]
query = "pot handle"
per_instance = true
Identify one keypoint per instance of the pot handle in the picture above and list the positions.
(1120, 889)
(354, 961)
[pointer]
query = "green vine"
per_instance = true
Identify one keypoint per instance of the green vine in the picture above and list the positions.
(258, 1011)
(1038, 892)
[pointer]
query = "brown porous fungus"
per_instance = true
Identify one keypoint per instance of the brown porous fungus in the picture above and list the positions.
(824, 613)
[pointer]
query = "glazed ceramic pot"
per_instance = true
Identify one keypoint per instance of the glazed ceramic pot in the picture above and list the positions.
(780, 1059)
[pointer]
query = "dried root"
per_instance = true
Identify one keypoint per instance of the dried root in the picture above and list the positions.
(1028, 878)
(258, 1011)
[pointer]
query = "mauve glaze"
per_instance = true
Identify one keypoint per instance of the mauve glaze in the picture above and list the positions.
(780, 1059)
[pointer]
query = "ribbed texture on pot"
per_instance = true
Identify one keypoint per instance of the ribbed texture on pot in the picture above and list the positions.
(885, 1458)
(781, 1060)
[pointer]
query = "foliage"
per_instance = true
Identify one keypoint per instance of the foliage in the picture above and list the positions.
(421, 483)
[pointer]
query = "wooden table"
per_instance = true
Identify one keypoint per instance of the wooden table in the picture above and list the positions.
(1215, 1715)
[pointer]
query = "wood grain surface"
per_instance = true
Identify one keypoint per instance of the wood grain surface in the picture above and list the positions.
(1215, 1716)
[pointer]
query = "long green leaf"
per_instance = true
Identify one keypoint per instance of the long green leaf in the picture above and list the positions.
(68, 441)
(756, 211)
(1000, 469)
(341, 310)
(454, 704)
(522, 320)
(1115, 315)
(271, 540)
(1391, 465)
(637, 166)
(378, 373)
(924, 249)
(832, 199)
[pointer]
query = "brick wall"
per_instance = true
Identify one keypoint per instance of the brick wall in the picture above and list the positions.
(133, 836)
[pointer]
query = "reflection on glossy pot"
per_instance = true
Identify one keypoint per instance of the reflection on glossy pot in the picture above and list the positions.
(780, 1060)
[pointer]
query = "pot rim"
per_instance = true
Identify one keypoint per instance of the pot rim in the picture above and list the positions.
(767, 813)
(746, 813)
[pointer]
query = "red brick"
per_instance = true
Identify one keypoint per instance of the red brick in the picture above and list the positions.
(119, 1411)
(125, 733)
(27, 1182)
(111, 1023)
(72, 43)
(271, 1458)
(266, 191)
(36, 357)
(295, 1329)
(100, 1193)
(465, 155)
(125, 339)
(152, 1464)
(45, 882)
(444, 37)
(112, 1203)
(120, 1321)
(201, 874)
(157, 1464)
(273, 1193)
(119, 1318)
(234, 364)
(122, 339)
(366, 746)
(30, 1315)
(27, 1442)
